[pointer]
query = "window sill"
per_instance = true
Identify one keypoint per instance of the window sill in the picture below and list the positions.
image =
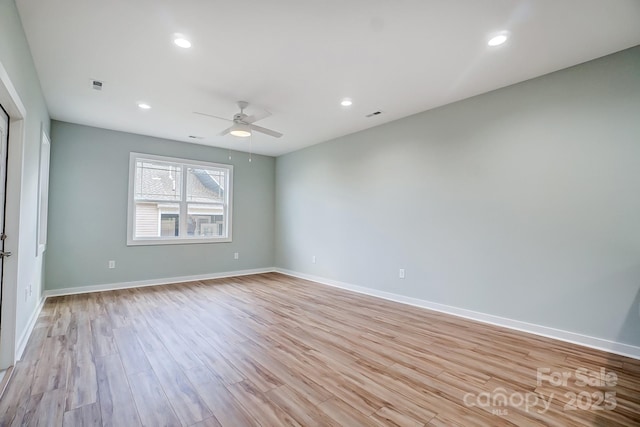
(156, 242)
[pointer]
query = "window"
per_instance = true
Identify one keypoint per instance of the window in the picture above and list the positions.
(178, 201)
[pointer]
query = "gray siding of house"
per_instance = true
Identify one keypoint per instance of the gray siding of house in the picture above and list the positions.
(147, 219)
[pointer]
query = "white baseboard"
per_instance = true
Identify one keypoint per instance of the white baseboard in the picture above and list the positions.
(152, 282)
(545, 331)
(24, 338)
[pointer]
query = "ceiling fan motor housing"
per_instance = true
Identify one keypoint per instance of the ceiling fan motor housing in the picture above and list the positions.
(239, 117)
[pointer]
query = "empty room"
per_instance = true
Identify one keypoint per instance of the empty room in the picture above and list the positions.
(320, 213)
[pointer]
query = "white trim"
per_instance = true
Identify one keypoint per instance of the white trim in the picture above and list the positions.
(153, 282)
(43, 193)
(17, 114)
(26, 334)
(545, 331)
(182, 239)
(5, 377)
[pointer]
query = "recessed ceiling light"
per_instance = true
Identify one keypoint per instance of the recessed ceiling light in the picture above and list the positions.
(144, 106)
(347, 102)
(497, 40)
(182, 42)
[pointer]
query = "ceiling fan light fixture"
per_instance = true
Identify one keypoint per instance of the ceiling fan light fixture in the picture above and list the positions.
(241, 130)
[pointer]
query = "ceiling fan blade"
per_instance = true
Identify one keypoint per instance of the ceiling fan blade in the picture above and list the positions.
(255, 117)
(266, 131)
(226, 131)
(211, 115)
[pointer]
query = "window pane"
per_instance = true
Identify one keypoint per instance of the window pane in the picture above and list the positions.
(205, 185)
(178, 201)
(169, 225)
(157, 180)
(157, 219)
(205, 220)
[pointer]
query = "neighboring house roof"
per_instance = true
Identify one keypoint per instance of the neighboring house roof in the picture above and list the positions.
(208, 181)
(160, 182)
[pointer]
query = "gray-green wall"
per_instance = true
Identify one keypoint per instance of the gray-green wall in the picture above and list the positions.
(15, 57)
(88, 212)
(522, 203)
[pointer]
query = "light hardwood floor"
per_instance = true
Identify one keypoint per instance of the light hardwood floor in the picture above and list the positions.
(271, 350)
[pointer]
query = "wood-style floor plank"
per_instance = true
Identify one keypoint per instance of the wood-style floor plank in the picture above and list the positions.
(102, 333)
(133, 357)
(13, 404)
(390, 417)
(45, 409)
(212, 422)
(343, 414)
(51, 372)
(116, 402)
(85, 416)
(182, 395)
(268, 349)
(82, 382)
(259, 406)
(152, 403)
(226, 409)
(297, 406)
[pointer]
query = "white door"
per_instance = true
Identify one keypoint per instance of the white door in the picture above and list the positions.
(4, 144)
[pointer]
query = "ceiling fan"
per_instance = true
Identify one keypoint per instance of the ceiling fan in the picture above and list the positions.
(243, 124)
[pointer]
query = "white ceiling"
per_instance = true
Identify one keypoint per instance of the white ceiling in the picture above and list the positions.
(299, 58)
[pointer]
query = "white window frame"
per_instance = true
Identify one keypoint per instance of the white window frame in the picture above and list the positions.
(179, 240)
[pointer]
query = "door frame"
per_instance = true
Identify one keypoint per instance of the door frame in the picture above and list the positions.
(17, 114)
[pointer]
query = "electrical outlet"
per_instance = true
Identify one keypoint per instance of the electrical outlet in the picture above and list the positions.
(313, 259)
(112, 264)
(236, 255)
(401, 273)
